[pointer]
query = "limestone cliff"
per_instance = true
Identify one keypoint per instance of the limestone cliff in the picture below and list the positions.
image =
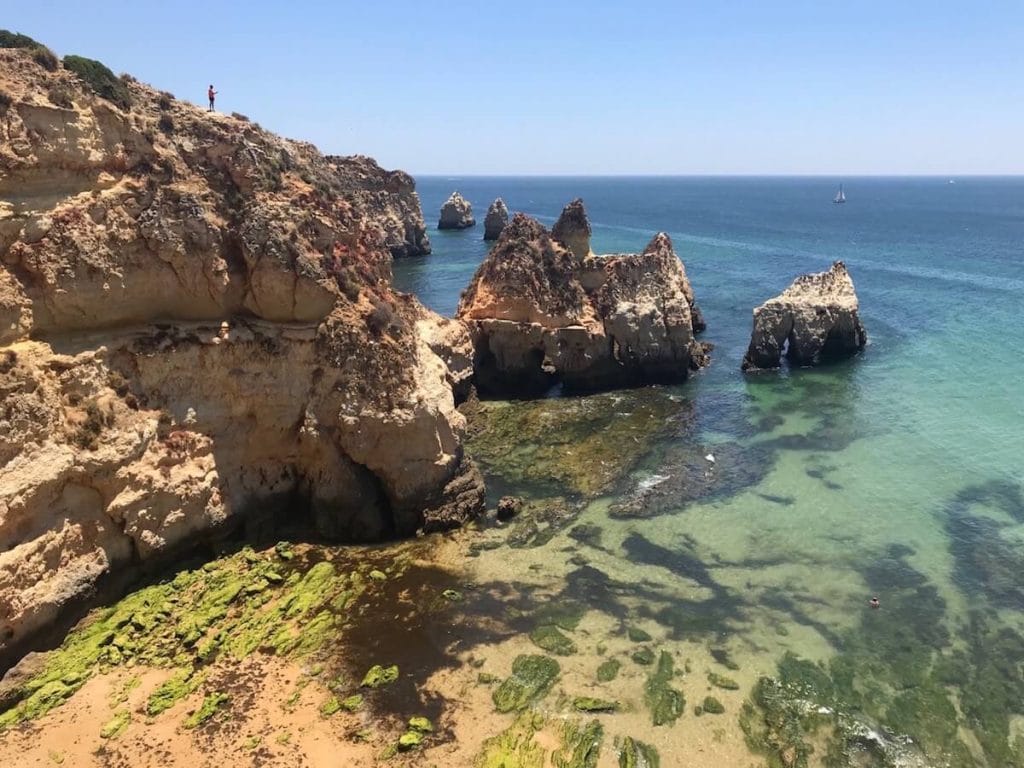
(198, 332)
(541, 313)
(814, 320)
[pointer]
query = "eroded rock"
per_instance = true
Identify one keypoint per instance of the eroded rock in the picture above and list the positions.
(542, 312)
(812, 321)
(456, 213)
(198, 332)
(496, 220)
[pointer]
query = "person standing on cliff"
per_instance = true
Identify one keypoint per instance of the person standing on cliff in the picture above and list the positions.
(212, 94)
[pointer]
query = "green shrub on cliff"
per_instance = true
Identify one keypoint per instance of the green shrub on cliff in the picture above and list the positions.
(42, 55)
(103, 82)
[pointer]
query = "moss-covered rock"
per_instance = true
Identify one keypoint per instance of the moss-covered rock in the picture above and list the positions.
(410, 740)
(330, 707)
(711, 706)
(637, 754)
(608, 670)
(581, 746)
(171, 691)
(352, 703)
(212, 703)
(665, 703)
(591, 704)
(551, 639)
(514, 747)
(116, 725)
(379, 675)
(531, 679)
(421, 724)
(723, 682)
(643, 656)
(637, 635)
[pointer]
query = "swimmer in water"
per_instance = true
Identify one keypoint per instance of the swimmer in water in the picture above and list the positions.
(874, 603)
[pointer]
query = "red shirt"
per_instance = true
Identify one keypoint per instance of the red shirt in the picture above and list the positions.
(211, 93)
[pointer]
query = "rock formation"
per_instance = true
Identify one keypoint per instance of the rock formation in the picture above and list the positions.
(496, 220)
(539, 313)
(456, 213)
(812, 321)
(197, 334)
(389, 196)
(573, 229)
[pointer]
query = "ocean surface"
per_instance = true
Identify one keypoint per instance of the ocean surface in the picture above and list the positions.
(897, 474)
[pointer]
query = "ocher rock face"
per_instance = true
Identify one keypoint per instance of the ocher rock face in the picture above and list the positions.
(496, 220)
(539, 314)
(198, 332)
(573, 229)
(812, 321)
(456, 213)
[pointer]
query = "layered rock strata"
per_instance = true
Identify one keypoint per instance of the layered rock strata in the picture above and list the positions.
(540, 313)
(814, 320)
(496, 220)
(198, 333)
(456, 213)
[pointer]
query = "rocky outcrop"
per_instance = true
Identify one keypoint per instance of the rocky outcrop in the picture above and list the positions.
(198, 334)
(812, 321)
(541, 314)
(389, 197)
(573, 229)
(456, 213)
(496, 220)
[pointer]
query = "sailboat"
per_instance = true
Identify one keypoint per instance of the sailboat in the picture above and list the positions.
(840, 197)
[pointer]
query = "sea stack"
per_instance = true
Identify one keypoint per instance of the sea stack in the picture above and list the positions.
(573, 229)
(539, 315)
(813, 321)
(496, 220)
(456, 213)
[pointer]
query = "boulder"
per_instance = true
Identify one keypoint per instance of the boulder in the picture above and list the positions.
(540, 314)
(496, 220)
(456, 213)
(813, 321)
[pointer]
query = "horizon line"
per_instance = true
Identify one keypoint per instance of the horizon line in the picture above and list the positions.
(566, 175)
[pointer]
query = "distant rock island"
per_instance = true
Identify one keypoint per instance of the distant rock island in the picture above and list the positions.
(543, 310)
(496, 220)
(456, 213)
(814, 320)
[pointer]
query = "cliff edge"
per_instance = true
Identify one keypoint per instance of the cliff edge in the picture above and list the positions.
(198, 333)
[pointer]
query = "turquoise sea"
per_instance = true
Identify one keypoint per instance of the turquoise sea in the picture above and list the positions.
(899, 473)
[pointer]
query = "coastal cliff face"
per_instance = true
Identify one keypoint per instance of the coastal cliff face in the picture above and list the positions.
(540, 313)
(198, 332)
(814, 320)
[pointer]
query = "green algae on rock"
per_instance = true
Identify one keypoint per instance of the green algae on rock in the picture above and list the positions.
(378, 675)
(584, 444)
(710, 706)
(643, 656)
(723, 682)
(591, 704)
(421, 724)
(174, 689)
(581, 747)
(549, 638)
(637, 635)
(608, 670)
(212, 703)
(410, 740)
(637, 754)
(115, 727)
(352, 703)
(330, 707)
(515, 747)
(665, 702)
(531, 679)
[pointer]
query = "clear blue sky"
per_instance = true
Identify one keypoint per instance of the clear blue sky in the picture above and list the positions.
(765, 86)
